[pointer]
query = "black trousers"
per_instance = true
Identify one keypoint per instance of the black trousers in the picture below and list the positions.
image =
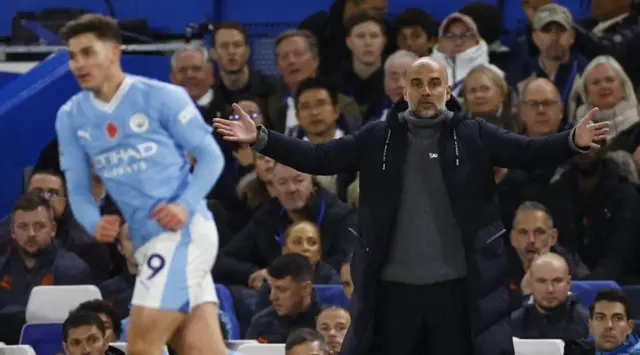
(422, 320)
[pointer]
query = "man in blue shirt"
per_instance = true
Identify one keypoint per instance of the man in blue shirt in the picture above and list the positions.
(136, 133)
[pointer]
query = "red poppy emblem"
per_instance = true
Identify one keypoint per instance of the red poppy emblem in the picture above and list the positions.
(112, 130)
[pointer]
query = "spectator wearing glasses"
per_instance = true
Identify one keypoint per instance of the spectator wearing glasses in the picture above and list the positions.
(541, 112)
(34, 260)
(460, 49)
(321, 120)
(239, 162)
(298, 58)
(236, 79)
(69, 234)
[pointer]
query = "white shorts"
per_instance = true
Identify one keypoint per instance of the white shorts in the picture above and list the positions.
(174, 268)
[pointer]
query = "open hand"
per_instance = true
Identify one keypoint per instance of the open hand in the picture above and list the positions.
(243, 130)
(171, 216)
(588, 134)
(108, 228)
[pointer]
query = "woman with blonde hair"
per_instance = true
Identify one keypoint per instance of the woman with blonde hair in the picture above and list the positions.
(605, 84)
(487, 95)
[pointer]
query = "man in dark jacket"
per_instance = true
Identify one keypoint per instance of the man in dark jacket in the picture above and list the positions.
(295, 304)
(426, 177)
(33, 261)
(84, 333)
(69, 235)
(532, 235)
(244, 260)
(595, 208)
(551, 312)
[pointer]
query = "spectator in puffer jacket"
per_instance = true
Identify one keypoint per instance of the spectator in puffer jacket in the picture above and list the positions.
(610, 326)
(460, 49)
(551, 312)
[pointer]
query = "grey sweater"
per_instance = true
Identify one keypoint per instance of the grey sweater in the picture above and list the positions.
(427, 244)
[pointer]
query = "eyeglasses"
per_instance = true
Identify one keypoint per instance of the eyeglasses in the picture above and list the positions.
(544, 104)
(253, 115)
(462, 36)
(47, 193)
(306, 107)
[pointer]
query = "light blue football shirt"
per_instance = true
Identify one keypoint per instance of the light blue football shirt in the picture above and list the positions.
(137, 144)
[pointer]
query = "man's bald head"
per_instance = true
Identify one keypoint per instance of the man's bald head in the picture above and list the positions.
(429, 64)
(541, 107)
(551, 281)
(549, 261)
(541, 84)
(427, 88)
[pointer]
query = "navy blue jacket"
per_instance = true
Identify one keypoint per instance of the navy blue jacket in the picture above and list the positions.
(260, 242)
(469, 151)
(55, 266)
(267, 326)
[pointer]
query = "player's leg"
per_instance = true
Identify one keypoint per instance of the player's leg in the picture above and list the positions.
(201, 333)
(160, 297)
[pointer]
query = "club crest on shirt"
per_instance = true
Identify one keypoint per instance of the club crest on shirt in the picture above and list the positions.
(139, 123)
(111, 130)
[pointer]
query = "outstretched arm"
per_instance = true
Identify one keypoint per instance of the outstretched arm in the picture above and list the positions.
(74, 162)
(511, 150)
(333, 157)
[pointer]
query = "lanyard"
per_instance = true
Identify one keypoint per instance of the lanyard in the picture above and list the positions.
(280, 236)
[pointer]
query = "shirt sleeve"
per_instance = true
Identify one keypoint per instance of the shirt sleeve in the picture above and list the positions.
(186, 126)
(182, 119)
(74, 162)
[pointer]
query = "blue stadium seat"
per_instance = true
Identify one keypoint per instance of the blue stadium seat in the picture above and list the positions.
(226, 305)
(332, 295)
(45, 339)
(586, 291)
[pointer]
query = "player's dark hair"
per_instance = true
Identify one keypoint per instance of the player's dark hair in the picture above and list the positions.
(80, 318)
(100, 306)
(306, 335)
(361, 17)
(103, 27)
(612, 295)
(230, 25)
(295, 265)
(31, 201)
(317, 83)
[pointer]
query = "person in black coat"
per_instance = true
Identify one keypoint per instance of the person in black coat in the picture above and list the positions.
(444, 194)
